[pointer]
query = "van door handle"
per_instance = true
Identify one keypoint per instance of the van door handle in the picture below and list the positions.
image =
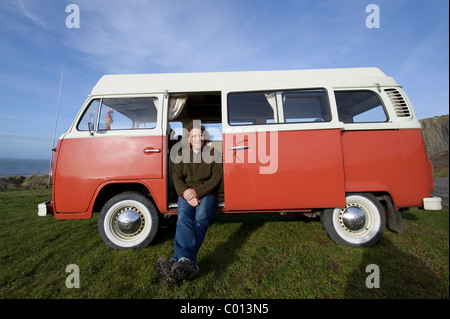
(239, 147)
(152, 150)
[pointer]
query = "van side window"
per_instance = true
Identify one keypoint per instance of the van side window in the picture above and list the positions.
(128, 113)
(90, 116)
(301, 106)
(359, 106)
(251, 108)
(305, 106)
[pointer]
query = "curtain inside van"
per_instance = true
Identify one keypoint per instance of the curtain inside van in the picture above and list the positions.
(176, 105)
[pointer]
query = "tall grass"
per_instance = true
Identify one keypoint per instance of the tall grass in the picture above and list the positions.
(244, 256)
(22, 182)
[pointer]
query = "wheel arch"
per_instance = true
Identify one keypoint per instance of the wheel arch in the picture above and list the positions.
(393, 217)
(110, 189)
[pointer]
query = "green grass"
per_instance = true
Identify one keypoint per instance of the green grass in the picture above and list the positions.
(244, 256)
(441, 173)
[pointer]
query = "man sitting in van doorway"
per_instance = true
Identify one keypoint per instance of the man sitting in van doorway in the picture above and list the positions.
(197, 174)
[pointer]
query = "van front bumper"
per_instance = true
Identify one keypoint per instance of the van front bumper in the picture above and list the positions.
(45, 208)
(432, 203)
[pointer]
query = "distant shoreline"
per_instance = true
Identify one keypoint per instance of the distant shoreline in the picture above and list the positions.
(23, 167)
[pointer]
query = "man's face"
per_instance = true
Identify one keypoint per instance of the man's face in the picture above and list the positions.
(195, 138)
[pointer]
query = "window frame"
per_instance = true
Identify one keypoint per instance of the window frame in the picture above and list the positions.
(326, 101)
(133, 128)
(279, 118)
(275, 114)
(80, 119)
(380, 99)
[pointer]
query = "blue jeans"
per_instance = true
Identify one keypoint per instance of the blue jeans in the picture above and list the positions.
(192, 224)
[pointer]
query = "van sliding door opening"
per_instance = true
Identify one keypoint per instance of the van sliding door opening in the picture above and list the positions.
(183, 108)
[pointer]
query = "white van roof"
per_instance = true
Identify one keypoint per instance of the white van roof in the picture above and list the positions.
(240, 81)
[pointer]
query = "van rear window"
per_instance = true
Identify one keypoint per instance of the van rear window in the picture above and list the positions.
(360, 106)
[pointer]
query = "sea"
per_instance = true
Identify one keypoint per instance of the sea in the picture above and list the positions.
(24, 167)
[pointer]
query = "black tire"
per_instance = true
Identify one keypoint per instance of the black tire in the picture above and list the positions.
(360, 223)
(128, 220)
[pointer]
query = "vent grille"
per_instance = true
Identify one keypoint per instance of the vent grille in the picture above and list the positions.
(399, 103)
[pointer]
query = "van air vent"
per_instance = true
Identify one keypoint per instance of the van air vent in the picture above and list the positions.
(399, 103)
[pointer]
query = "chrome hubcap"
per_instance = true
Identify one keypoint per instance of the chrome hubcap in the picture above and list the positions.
(129, 222)
(353, 218)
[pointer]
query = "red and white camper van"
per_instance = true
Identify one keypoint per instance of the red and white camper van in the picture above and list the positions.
(342, 144)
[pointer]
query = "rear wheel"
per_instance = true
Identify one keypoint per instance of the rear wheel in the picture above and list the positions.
(128, 220)
(360, 223)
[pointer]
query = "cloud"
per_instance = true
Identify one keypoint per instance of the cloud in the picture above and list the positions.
(431, 45)
(163, 36)
(202, 35)
(427, 66)
(185, 36)
(23, 139)
(37, 11)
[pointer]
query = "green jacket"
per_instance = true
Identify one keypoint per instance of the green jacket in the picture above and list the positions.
(202, 171)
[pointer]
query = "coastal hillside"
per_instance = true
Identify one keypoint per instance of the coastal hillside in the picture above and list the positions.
(435, 132)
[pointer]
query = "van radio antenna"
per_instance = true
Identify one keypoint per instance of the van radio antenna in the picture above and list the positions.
(54, 131)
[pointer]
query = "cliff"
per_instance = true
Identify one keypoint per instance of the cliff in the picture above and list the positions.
(435, 132)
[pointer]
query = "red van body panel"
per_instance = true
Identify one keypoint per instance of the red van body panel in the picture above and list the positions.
(391, 161)
(82, 167)
(309, 172)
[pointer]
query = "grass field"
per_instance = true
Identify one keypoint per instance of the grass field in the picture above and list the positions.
(441, 173)
(244, 256)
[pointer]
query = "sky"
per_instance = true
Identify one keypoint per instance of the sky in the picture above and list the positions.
(40, 41)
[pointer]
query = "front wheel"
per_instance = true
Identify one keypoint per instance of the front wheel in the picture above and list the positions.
(128, 220)
(360, 223)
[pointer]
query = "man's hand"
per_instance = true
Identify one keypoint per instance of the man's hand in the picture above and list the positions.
(194, 202)
(189, 194)
(191, 197)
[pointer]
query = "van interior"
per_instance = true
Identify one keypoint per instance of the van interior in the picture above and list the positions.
(205, 107)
